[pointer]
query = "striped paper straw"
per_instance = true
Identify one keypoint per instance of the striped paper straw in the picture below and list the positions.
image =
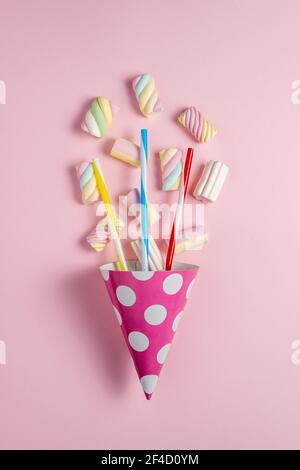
(179, 209)
(144, 199)
(111, 216)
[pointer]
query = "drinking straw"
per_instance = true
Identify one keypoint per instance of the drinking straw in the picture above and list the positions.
(111, 216)
(144, 200)
(179, 209)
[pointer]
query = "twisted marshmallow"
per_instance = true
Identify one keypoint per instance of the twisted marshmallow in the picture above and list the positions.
(88, 184)
(100, 236)
(197, 125)
(171, 167)
(156, 261)
(190, 239)
(146, 95)
(99, 117)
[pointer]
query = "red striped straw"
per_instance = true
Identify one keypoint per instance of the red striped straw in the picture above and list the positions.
(179, 209)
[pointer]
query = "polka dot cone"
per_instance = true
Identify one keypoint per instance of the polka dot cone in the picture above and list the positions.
(149, 307)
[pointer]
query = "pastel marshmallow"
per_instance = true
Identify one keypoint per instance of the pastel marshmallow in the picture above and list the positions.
(88, 184)
(126, 151)
(100, 236)
(99, 117)
(146, 95)
(190, 239)
(211, 181)
(156, 261)
(171, 167)
(200, 128)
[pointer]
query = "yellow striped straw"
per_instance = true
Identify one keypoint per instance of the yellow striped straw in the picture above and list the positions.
(112, 219)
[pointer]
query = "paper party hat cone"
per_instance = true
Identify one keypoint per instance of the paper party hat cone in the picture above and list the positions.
(149, 306)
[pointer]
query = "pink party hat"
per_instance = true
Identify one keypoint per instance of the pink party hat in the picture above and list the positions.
(149, 306)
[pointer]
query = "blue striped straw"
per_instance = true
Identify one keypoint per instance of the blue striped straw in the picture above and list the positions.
(144, 199)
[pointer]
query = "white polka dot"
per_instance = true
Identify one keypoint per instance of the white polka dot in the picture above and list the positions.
(126, 296)
(105, 275)
(138, 341)
(143, 275)
(155, 314)
(189, 289)
(176, 321)
(173, 283)
(162, 353)
(149, 382)
(119, 318)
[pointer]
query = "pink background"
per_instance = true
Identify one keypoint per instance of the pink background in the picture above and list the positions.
(229, 381)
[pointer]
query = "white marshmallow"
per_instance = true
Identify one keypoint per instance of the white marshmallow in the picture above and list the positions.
(156, 261)
(211, 181)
